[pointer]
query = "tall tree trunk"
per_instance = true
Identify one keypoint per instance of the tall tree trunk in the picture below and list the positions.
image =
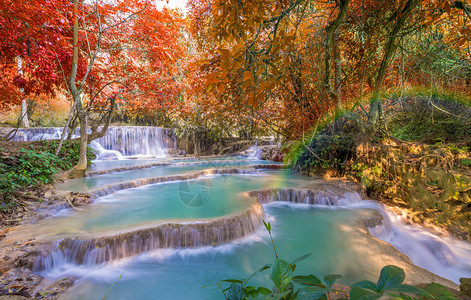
(375, 114)
(338, 70)
(79, 169)
(24, 119)
(83, 161)
(24, 114)
(329, 34)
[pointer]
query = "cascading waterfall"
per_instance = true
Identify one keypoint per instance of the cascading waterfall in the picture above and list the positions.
(131, 141)
(187, 235)
(119, 141)
(254, 153)
(170, 235)
(37, 134)
(446, 257)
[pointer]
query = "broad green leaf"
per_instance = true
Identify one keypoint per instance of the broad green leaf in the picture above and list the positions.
(358, 293)
(366, 284)
(263, 291)
(281, 274)
(390, 275)
(331, 279)
(307, 280)
(409, 289)
(251, 291)
(235, 292)
(301, 258)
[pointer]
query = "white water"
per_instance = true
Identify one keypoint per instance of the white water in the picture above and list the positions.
(445, 256)
(254, 153)
(118, 143)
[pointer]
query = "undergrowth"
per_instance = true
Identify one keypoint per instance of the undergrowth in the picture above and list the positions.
(33, 166)
(420, 160)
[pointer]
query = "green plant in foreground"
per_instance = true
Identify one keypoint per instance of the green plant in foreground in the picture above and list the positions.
(389, 284)
(281, 274)
(390, 281)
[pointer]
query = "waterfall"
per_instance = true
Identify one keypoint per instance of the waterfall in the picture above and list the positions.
(170, 235)
(37, 134)
(254, 153)
(119, 141)
(444, 256)
(131, 141)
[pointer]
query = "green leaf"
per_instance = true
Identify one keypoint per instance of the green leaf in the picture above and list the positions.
(267, 225)
(281, 274)
(263, 291)
(366, 284)
(251, 291)
(390, 275)
(265, 267)
(359, 293)
(308, 280)
(440, 291)
(301, 258)
(235, 292)
(314, 292)
(409, 289)
(233, 281)
(276, 296)
(330, 279)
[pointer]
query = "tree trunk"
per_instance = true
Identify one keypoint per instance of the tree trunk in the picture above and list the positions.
(82, 164)
(79, 169)
(24, 120)
(338, 70)
(83, 161)
(24, 114)
(329, 35)
(375, 115)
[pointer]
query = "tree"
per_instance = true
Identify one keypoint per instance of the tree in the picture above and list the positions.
(288, 50)
(28, 43)
(111, 61)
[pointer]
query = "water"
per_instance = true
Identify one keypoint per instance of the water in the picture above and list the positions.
(254, 153)
(179, 167)
(159, 237)
(443, 256)
(180, 274)
(118, 143)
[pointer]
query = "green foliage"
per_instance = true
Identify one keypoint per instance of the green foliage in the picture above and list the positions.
(33, 166)
(439, 292)
(329, 144)
(281, 274)
(390, 281)
(433, 118)
(286, 286)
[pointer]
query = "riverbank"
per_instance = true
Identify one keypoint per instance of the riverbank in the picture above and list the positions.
(418, 162)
